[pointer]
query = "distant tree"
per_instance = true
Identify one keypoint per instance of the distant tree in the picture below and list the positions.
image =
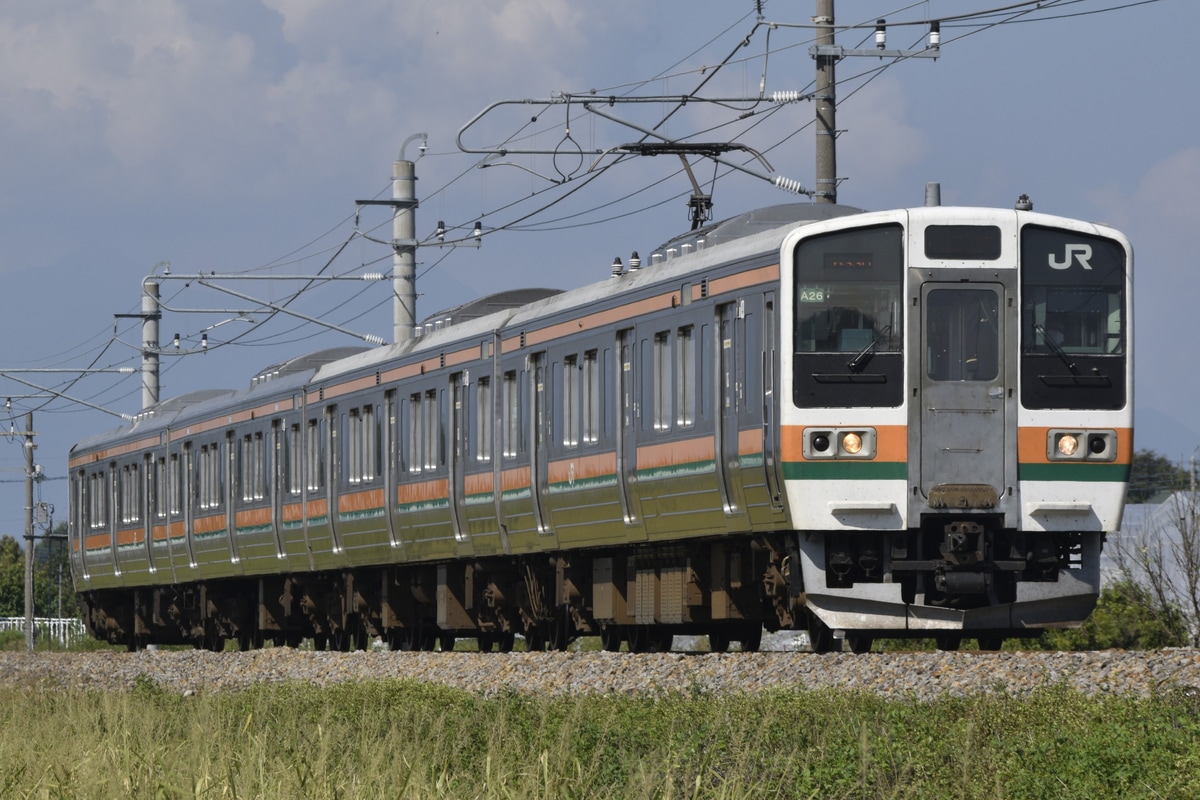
(1151, 474)
(1128, 617)
(1162, 557)
(12, 578)
(51, 578)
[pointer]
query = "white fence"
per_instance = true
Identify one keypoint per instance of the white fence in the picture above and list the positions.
(63, 630)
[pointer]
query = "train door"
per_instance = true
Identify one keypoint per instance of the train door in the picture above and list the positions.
(627, 412)
(539, 434)
(731, 400)
(391, 461)
(330, 440)
(189, 501)
(458, 453)
(230, 490)
(147, 502)
(963, 378)
(279, 487)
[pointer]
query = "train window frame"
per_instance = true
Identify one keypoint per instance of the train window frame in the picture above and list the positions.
(685, 376)
(431, 433)
(848, 318)
(292, 456)
(1073, 285)
(314, 477)
(570, 401)
(513, 440)
(592, 396)
(483, 419)
(662, 378)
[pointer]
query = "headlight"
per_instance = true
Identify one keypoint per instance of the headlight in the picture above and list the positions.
(1081, 445)
(827, 443)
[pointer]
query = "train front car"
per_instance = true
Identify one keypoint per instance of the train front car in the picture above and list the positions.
(957, 437)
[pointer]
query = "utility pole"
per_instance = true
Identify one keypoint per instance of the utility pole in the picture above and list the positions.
(404, 242)
(826, 102)
(150, 344)
(29, 475)
(404, 247)
(827, 53)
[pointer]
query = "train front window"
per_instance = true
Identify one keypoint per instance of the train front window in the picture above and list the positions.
(848, 318)
(1073, 320)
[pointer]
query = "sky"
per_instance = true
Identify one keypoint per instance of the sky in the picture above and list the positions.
(236, 137)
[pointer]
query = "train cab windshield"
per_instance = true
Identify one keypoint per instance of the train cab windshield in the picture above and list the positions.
(848, 327)
(1073, 320)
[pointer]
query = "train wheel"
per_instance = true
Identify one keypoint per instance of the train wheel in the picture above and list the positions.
(446, 640)
(948, 642)
(320, 642)
(535, 640)
(752, 638)
(244, 641)
(991, 643)
(860, 644)
(561, 632)
(610, 637)
(485, 642)
(718, 641)
(639, 639)
(505, 641)
(820, 637)
(661, 641)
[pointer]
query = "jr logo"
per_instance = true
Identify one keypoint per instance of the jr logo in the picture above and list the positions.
(1082, 252)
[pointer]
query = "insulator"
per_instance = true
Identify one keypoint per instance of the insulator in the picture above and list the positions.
(789, 185)
(790, 96)
(373, 276)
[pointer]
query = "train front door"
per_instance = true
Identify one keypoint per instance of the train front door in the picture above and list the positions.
(963, 394)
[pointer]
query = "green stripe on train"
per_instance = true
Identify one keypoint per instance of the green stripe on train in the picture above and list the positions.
(845, 470)
(1074, 471)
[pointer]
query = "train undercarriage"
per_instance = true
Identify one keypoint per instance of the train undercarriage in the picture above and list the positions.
(729, 590)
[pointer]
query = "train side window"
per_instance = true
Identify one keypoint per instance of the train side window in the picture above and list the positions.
(414, 430)
(512, 415)
(685, 376)
(362, 445)
(433, 430)
(316, 456)
(661, 381)
(483, 419)
(294, 478)
(97, 501)
(162, 488)
(175, 476)
(570, 395)
(591, 397)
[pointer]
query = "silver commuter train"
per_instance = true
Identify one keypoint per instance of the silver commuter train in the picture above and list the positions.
(911, 423)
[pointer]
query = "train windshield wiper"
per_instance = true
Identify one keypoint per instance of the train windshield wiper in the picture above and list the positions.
(860, 361)
(1057, 350)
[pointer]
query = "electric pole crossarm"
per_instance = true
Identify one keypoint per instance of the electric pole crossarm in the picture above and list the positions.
(68, 397)
(366, 337)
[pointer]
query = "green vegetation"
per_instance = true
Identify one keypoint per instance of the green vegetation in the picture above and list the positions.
(52, 586)
(409, 740)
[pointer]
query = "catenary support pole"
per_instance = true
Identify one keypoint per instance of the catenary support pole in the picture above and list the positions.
(826, 102)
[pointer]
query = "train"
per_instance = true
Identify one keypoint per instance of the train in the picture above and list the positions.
(808, 417)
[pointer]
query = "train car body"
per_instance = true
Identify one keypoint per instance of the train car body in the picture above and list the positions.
(904, 423)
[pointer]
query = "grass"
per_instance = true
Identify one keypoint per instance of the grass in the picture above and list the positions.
(408, 740)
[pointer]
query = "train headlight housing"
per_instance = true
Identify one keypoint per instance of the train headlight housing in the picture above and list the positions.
(834, 443)
(1081, 445)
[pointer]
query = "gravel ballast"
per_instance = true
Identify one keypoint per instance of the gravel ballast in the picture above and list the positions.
(922, 676)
